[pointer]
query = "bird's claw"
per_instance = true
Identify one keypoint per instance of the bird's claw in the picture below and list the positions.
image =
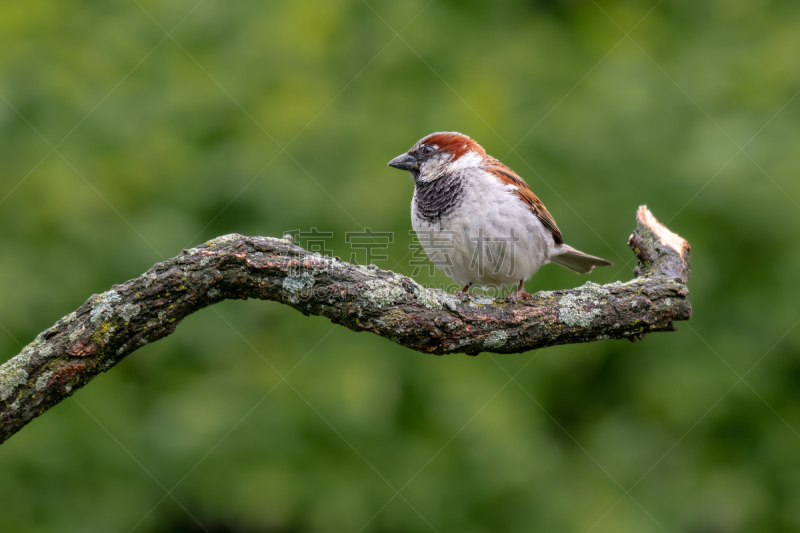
(519, 295)
(465, 291)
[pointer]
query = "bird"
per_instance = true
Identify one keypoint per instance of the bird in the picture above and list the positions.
(478, 221)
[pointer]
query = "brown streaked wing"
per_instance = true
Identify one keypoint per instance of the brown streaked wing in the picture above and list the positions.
(524, 193)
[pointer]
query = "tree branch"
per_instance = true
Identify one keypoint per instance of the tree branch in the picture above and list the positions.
(111, 325)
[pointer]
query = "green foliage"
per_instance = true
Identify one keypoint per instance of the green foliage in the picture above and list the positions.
(161, 144)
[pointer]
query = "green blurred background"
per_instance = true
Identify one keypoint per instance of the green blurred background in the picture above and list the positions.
(164, 142)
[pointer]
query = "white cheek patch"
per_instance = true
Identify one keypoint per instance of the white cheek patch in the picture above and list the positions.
(468, 160)
(432, 168)
(427, 172)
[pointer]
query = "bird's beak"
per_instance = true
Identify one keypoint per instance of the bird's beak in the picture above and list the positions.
(404, 162)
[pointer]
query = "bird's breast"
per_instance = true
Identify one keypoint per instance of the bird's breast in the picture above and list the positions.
(482, 234)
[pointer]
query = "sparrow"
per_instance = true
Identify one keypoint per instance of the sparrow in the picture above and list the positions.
(477, 220)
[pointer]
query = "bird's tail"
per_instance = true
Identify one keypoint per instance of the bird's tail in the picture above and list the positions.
(569, 257)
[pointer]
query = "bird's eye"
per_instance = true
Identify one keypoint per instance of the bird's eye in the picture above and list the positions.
(427, 150)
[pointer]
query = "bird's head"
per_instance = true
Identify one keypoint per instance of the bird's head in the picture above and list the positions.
(438, 154)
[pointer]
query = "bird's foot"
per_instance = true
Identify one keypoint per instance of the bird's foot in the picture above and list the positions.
(519, 295)
(464, 291)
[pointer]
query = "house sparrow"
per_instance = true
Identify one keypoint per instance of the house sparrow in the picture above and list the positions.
(477, 220)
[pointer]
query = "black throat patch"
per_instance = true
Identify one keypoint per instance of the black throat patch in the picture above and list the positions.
(438, 197)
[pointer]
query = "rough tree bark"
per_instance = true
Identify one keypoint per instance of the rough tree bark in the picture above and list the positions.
(111, 325)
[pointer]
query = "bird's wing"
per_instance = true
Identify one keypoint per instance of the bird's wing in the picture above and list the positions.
(518, 186)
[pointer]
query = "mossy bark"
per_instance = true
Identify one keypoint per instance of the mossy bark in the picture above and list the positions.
(109, 326)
